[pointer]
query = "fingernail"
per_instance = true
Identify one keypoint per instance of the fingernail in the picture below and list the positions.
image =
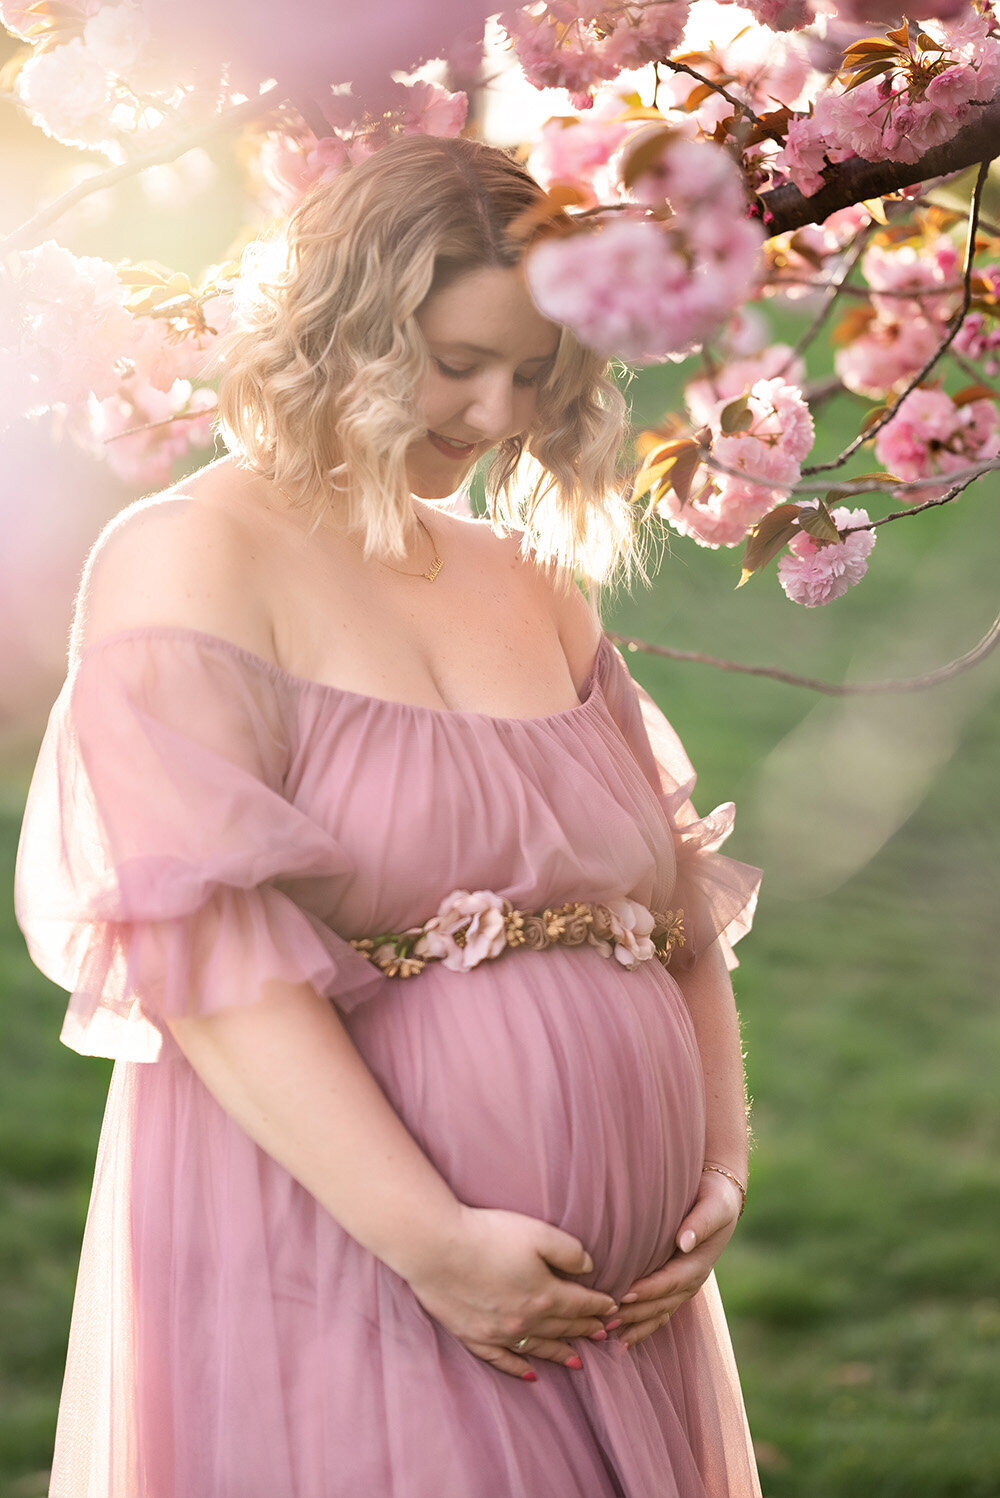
(531, 1377)
(610, 1325)
(574, 1362)
(628, 1299)
(687, 1241)
(601, 1336)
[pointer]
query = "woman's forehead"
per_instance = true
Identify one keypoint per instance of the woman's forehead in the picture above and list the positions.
(489, 312)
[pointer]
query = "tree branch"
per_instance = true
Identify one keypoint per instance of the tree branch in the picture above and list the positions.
(972, 657)
(852, 181)
(717, 88)
(832, 292)
(28, 233)
(953, 327)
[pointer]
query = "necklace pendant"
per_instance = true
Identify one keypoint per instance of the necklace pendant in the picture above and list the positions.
(433, 569)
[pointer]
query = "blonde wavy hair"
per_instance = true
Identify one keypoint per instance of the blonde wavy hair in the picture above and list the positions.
(320, 370)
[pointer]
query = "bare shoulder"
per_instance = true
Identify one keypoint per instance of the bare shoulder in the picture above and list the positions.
(174, 558)
(576, 621)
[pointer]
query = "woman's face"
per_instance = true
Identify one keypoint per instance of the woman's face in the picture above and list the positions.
(490, 350)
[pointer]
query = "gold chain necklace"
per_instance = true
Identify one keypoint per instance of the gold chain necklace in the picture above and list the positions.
(436, 563)
(435, 566)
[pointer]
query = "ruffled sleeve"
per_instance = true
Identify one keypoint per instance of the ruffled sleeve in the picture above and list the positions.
(158, 860)
(718, 894)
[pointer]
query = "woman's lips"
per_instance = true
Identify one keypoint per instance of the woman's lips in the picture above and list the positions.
(449, 448)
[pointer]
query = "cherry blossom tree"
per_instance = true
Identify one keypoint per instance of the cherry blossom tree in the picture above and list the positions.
(705, 159)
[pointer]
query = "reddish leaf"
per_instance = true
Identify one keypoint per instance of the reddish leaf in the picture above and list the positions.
(767, 538)
(872, 417)
(970, 393)
(852, 324)
(867, 73)
(818, 523)
(685, 467)
(645, 153)
(698, 96)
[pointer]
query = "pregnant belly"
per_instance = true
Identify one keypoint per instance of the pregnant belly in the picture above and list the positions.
(555, 1084)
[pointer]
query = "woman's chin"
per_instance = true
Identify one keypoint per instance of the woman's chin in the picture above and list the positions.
(426, 487)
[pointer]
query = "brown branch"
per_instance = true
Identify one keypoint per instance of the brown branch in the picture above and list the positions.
(928, 504)
(833, 291)
(229, 119)
(717, 88)
(933, 678)
(953, 326)
(854, 180)
(902, 293)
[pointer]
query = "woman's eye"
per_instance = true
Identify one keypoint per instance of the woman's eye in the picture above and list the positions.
(453, 374)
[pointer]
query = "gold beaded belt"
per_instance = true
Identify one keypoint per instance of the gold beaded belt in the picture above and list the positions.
(469, 928)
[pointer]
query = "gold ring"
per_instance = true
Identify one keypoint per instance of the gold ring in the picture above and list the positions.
(521, 1345)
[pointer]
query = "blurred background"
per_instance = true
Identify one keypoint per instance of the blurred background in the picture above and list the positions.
(862, 1285)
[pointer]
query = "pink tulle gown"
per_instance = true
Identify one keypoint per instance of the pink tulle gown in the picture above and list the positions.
(200, 821)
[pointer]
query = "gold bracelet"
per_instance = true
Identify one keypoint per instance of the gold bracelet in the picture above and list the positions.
(710, 1165)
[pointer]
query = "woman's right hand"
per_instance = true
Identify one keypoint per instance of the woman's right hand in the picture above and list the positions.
(494, 1284)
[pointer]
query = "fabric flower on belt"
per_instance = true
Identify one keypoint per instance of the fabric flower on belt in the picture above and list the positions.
(467, 929)
(630, 927)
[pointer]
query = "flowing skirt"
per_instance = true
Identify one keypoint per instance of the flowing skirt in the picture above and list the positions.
(230, 1340)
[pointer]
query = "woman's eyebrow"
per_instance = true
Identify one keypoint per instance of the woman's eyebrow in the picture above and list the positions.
(492, 353)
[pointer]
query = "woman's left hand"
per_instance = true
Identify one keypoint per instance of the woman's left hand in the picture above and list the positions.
(700, 1240)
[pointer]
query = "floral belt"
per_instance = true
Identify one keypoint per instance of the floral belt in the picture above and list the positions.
(469, 928)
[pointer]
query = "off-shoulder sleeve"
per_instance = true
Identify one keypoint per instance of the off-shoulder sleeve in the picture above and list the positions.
(718, 894)
(155, 842)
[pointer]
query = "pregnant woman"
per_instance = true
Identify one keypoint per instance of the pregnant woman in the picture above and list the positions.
(363, 855)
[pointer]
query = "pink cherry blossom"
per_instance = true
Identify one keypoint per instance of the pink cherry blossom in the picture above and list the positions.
(75, 324)
(769, 67)
(888, 354)
(481, 914)
(925, 267)
(782, 15)
(115, 36)
(764, 462)
(146, 456)
(580, 151)
(930, 434)
(635, 289)
(68, 93)
(558, 46)
(812, 574)
(705, 398)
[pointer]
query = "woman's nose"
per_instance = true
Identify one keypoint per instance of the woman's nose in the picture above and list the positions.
(491, 411)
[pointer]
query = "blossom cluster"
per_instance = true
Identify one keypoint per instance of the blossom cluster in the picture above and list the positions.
(579, 44)
(898, 116)
(813, 572)
(473, 927)
(643, 288)
(759, 463)
(290, 160)
(68, 341)
(932, 433)
(897, 334)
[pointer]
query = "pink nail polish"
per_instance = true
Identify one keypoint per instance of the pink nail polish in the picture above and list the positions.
(598, 1336)
(531, 1377)
(610, 1325)
(574, 1362)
